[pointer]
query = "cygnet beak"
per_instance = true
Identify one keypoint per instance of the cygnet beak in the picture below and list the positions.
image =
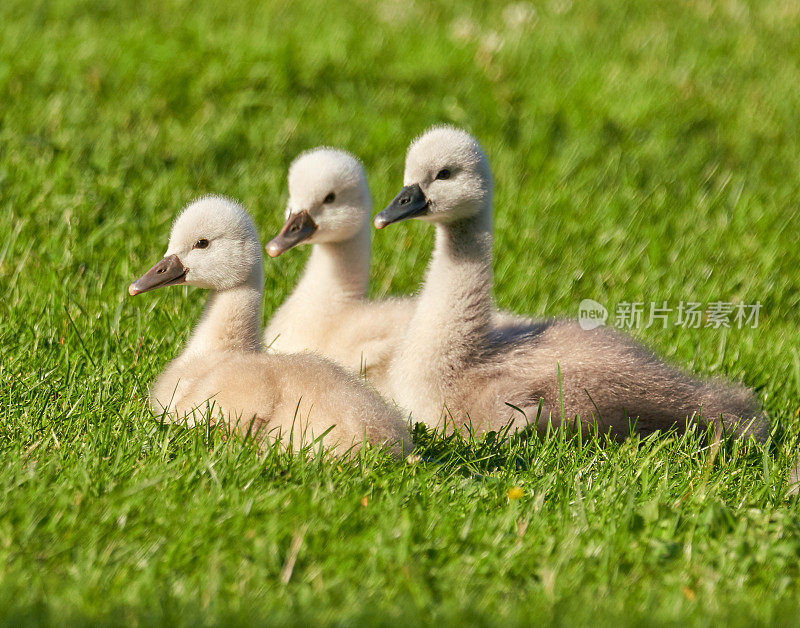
(168, 272)
(298, 227)
(410, 203)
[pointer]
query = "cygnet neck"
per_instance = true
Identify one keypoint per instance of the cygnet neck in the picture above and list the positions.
(454, 308)
(231, 320)
(337, 270)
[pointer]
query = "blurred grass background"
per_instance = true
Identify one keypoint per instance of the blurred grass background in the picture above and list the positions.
(641, 152)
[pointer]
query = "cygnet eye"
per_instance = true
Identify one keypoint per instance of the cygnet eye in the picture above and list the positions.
(330, 198)
(202, 243)
(444, 173)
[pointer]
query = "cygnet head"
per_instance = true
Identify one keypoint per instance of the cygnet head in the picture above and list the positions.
(213, 244)
(447, 179)
(328, 200)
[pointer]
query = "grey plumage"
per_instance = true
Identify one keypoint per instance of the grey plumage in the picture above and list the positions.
(453, 367)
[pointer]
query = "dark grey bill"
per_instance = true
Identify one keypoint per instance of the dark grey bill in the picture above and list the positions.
(298, 227)
(410, 203)
(168, 272)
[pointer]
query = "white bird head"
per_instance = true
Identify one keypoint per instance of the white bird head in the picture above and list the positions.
(213, 244)
(329, 200)
(447, 178)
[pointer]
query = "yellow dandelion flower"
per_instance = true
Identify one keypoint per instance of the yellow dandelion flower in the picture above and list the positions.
(514, 493)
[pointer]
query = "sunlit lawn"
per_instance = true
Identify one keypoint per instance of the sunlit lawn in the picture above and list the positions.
(642, 152)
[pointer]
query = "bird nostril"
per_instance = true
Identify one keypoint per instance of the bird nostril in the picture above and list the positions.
(404, 200)
(159, 271)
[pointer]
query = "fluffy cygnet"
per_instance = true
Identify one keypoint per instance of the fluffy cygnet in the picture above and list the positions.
(223, 373)
(450, 366)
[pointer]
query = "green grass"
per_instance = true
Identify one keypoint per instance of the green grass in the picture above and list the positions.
(642, 151)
